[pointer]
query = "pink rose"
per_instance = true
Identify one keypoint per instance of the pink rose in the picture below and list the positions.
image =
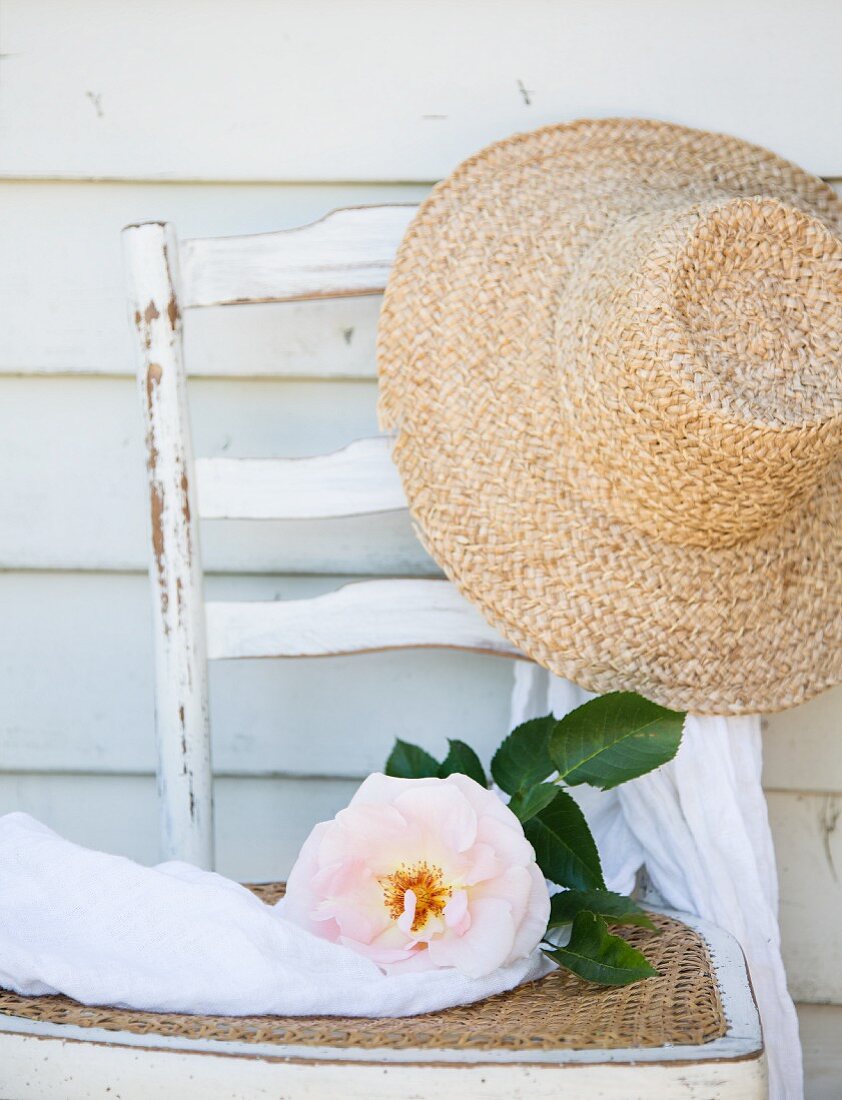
(420, 873)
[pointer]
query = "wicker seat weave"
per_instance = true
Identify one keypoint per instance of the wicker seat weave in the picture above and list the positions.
(681, 1006)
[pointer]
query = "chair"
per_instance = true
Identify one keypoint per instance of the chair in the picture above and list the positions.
(693, 1031)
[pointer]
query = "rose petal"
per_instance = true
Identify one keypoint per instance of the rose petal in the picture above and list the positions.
(484, 802)
(301, 898)
(359, 909)
(446, 820)
(456, 908)
(378, 834)
(481, 861)
(382, 955)
(513, 886)
(380, 790)
(507, 840)
(418, 961)
(485, 946)
(532, 927)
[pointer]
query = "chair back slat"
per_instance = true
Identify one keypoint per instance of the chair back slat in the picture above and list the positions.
(359, 618)
(358, 480)
(349, 252)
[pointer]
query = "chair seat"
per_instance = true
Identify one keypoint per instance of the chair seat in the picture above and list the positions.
(695, 1025)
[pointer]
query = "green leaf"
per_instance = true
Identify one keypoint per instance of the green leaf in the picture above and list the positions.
(526, 804)
(564, 847)
(597, 956)
(462, 758)
(615, 908)
(614, 738)
(524, 757)
(410, 762)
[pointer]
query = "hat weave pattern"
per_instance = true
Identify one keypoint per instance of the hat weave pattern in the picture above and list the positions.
(611, 353)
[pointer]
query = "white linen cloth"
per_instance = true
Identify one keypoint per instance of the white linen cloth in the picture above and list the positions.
(700, 826)
(173, 938)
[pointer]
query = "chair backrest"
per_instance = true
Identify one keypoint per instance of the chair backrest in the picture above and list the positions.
(349, 252)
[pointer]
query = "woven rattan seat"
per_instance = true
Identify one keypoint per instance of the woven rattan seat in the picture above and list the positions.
(693, 1017)
(561, 1012)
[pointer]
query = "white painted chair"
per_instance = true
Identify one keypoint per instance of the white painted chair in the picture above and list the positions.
(347, 253)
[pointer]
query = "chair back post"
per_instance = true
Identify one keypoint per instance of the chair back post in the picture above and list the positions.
(181, 697)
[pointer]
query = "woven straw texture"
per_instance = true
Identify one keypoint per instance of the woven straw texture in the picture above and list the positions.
(559, 1012)
(610, 352)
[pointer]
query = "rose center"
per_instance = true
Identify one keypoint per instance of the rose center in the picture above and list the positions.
(427, 884)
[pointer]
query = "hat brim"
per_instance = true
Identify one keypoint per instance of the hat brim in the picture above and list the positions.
(469, 381)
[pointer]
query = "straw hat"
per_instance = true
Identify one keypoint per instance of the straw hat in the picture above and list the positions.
(611, 354)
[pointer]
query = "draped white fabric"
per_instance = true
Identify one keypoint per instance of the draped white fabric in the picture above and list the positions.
(172, 938)
(700, 826)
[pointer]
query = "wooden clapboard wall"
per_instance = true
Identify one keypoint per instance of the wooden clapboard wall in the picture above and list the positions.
(228, 118)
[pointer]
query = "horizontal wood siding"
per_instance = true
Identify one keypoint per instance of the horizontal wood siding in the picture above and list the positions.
(395, 89)
(260, 823)
(88, 636)
(93, 515)
(63, 288)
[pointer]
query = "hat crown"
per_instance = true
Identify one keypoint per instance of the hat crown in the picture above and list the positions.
(702, 370)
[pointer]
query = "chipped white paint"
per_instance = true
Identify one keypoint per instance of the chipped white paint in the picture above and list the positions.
(181, 710)
(359, 618)
(347, 253)
(42, 1060)
(360, 479)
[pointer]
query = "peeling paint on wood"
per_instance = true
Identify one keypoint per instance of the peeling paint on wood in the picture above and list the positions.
(183, 736)
(347, 253)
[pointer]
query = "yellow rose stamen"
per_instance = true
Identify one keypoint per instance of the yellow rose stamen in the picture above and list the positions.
(427, 884)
